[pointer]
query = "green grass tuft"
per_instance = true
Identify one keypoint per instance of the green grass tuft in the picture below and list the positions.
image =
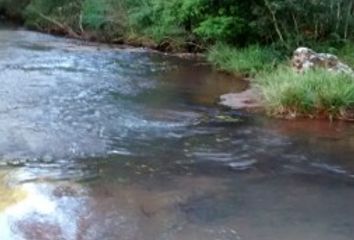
(245, 60)
(316, 93)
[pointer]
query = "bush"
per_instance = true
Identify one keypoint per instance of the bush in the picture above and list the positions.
(157, 20)
(315, 93)
(186, 22)
(94, 13)
(106, 19)
(220, 28)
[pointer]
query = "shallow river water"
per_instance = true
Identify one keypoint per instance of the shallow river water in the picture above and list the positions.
(119, 144)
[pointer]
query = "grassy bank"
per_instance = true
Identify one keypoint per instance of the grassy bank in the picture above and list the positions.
(317, 93)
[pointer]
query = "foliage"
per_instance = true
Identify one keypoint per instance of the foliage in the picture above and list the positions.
(346, 53)
(13, 8)
(315, 93)
(219, 28)
(294, 23)
(105, 18)
(185, 23)
(197, 24)
(94, 13)
(45, 15)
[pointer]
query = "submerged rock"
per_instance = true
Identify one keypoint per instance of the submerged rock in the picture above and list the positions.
(243, 165)
(305, 59)
(248, 99)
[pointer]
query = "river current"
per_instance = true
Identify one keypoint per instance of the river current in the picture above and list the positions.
(114, 143)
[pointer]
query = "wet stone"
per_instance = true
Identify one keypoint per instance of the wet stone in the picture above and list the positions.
(242, 165)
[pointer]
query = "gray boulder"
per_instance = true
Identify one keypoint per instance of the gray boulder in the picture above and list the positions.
(305, 59)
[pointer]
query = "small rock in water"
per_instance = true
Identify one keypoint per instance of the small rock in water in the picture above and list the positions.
(229, 119)
(67, 190)
(243, 165)
(17, 162)
(248, 99)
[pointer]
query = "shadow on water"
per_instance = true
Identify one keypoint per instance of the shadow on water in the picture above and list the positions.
(105, 143)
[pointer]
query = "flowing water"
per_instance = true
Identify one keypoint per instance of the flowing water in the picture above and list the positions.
(106, 143)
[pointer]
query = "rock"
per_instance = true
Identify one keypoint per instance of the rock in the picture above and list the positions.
(305, 59)
(243, 165)
(248, 99)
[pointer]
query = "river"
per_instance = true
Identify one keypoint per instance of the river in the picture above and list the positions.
(101, 142)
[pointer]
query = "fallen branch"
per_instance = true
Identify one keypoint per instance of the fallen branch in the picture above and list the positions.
(63, 27)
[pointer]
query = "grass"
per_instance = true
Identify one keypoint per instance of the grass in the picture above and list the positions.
(248, 60)
(317, 93)
(346, 53)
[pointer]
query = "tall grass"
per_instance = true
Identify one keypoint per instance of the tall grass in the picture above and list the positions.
(316, 93)
(242, 60)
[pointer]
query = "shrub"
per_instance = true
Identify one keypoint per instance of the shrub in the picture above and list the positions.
(220, 28)
(157, 20)
(106, 19)
(13, 8)
(94, 13)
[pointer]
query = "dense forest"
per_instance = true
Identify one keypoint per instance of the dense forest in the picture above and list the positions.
(192, 24)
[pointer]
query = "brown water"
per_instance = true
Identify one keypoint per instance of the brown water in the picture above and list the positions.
(105, 143)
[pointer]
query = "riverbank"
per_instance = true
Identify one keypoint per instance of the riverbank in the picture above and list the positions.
(114, 22)
(283, 92)
(229, 36)
(272, 89)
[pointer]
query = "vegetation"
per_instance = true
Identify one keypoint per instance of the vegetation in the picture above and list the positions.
(248, 60)
(194, 24)
(314, 93)
(346, 53)
(13, 8)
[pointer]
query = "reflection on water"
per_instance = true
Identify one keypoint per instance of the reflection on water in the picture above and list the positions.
(9, 195)
(104, 143)
(39, 216)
